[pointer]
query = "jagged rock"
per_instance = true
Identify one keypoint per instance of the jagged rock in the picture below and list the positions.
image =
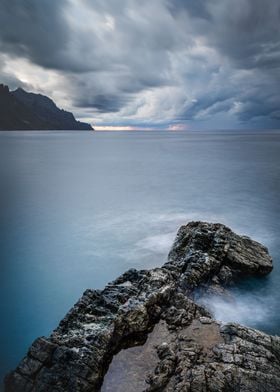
(215, 255)
(195, 353)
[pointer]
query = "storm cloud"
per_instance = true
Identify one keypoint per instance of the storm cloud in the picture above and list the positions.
(203, 63)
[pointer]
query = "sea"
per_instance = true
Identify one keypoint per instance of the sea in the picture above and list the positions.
(77, 209)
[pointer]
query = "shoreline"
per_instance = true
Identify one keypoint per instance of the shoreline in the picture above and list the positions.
(204, 256)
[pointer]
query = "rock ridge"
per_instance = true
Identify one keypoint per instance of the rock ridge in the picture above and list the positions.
(195, 353)
(21, 110)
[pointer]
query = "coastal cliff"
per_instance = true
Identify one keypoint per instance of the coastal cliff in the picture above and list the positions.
(146, 332)
(21, 110)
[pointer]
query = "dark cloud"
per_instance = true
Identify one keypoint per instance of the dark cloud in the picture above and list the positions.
(161, 61)
(35, 29)
(197, 9)
(103, 103)
(247, 31)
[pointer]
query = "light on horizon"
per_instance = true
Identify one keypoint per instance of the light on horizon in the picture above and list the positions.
(115, 128)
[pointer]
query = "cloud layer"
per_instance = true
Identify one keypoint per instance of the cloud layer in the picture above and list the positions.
(161, 63)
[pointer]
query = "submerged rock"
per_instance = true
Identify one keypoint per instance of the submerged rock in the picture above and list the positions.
(192, 353)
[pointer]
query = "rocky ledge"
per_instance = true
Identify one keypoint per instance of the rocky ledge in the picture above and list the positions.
(144, 331)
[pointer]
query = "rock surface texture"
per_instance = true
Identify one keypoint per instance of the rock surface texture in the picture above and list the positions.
(181, 347)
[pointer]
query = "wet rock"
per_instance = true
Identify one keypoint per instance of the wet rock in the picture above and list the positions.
(213, 255)
(211, 357)
(196, 354)
(165, 368)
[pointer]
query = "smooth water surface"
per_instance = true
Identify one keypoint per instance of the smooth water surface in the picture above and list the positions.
(79, 208)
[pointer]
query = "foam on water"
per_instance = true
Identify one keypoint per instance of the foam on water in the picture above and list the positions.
(249, 309)
(159, 243)
(139, 236)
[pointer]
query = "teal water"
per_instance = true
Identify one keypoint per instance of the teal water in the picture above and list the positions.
(77, 209)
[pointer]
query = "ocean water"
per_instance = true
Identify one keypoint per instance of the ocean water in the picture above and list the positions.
(79, 208)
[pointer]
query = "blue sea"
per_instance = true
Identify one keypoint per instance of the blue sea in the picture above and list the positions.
(79, 208)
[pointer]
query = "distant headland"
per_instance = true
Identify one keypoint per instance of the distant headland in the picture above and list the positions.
(21, 110)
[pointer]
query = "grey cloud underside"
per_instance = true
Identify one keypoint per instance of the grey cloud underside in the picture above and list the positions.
(197, 9)
(192, 60)
(34, 29)
(103, 103)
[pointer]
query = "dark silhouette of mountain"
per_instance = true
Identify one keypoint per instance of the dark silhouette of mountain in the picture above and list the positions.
(20, 110)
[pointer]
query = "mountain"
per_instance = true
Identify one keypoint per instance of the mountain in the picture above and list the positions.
(20, 110)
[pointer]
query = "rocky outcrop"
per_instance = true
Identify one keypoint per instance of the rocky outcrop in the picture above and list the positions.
(206, 356)
(183, 348)
(20, 110)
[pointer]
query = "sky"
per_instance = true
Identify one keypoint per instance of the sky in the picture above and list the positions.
(149, 64)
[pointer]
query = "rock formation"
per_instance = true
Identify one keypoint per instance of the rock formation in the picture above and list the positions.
(20, 110)
(181, 347)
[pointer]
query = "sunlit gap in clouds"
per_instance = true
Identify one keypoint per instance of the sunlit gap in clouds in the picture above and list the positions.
(149, 62)
(171, 127)
(115, 128)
